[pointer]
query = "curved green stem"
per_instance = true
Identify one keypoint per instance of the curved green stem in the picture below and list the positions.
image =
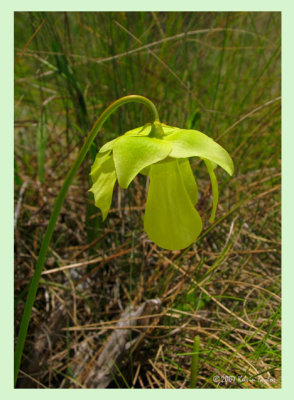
(55, 213)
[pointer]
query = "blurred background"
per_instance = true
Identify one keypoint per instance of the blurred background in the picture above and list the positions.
(217, 72)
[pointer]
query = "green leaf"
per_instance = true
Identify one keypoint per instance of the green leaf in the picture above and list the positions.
(189, 179)
(214, 187)
(170, 220)
(131, 154)
(103, 177)
(190, 143)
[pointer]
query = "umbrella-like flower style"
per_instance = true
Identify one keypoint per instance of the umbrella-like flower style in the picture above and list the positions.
(162, 152)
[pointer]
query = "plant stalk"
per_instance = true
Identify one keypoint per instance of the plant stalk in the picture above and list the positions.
(195, 362)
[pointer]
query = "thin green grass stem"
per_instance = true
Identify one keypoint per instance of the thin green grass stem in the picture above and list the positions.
(195, 362)
(55, 214)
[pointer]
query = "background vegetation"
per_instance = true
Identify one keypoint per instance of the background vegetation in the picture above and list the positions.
(215, 72)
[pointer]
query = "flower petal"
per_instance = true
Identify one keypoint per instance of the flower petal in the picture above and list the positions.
(167, 129)
(103, 178)
(98, 163)
(190, 143)
(147, 128)
(109, 145)
(189, 179)
(170, 219)
(132, 154)
(145, 171)
(214, 187)
(141, 131)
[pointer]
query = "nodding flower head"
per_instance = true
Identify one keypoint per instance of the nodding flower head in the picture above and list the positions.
(161, 152)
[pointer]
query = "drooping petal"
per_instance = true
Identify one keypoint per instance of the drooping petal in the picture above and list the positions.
(189, 179)
(98, 163)
(131, 154)
(109, 145)
(170, 220)
(190, 143)
(214, 187)
(103, 178)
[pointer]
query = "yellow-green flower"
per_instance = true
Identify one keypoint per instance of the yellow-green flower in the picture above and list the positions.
(162, 152)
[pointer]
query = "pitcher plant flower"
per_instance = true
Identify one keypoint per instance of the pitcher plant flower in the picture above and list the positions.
(161, 152)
